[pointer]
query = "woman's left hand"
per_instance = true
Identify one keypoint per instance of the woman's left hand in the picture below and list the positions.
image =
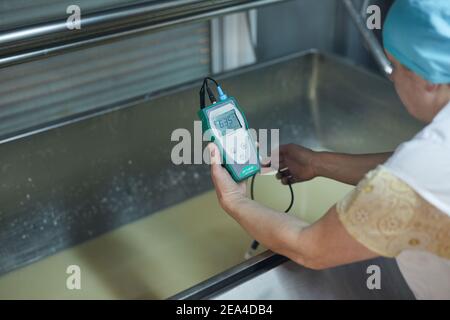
(228, 191)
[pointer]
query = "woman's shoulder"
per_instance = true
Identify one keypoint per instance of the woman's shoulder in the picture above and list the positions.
(438, 131)
(424, 162)
(388, 216)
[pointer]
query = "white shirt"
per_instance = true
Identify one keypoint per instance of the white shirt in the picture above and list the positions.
(424, 164)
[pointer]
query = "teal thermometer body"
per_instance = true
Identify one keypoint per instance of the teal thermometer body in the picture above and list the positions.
(228, 129)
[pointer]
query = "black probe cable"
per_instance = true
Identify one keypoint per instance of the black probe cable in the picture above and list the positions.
(255, 243)
(211, 96)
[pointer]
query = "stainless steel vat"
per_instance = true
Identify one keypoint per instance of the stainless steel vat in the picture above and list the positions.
(72, 181)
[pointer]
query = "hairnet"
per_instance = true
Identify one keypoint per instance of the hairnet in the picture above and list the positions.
(417, 34)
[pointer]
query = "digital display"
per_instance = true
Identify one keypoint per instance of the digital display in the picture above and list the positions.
(227, 121)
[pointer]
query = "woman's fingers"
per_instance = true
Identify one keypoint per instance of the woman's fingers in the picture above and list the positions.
(287, 180)
(283, 172)
(220, 176)
(217, 171)
(285, 176)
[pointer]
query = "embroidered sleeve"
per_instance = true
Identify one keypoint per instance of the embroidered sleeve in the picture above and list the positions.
(388, 216)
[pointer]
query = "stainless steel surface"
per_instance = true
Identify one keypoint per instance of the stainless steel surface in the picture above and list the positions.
(292, 281)
(42, 40)
(270, 276)
(364, 6)
(372, 43)
(41, 92)
(19, 13)
(71, 182)
(250, 268)
(303, 24)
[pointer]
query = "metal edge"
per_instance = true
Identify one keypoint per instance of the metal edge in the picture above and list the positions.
(252, 267)
(373, 45)
(28, 44)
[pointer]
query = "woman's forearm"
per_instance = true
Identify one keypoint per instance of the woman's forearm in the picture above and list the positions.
(347, 168)
(278, 232)
(321, 245)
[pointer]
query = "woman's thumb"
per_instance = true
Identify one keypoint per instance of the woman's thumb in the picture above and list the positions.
(214, 153)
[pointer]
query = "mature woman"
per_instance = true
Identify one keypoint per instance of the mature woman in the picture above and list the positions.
(401, 204)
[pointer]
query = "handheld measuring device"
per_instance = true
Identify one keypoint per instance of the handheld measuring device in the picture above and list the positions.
(228, 129)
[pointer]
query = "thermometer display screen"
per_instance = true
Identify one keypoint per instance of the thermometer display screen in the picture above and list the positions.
(227, 121)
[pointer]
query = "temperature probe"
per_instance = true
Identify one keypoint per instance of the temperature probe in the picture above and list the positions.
(228, 129)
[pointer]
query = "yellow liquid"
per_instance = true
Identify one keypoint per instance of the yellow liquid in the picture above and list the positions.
(168, 251)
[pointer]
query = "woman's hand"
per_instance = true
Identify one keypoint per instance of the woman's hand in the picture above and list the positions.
(296, 164)
(229, 192)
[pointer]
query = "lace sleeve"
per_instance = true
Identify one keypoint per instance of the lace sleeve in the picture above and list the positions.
(387, 216)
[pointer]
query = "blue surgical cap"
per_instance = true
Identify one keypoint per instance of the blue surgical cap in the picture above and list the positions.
(417, 34)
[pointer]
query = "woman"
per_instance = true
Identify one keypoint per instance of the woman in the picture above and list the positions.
(401, 204)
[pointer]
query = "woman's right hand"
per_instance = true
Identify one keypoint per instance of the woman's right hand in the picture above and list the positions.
(296, 164)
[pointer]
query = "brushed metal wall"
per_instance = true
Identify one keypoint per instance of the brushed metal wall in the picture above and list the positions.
(321, 24)
(41, 92)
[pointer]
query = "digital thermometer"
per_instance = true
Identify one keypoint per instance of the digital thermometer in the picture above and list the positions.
(228, 129)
